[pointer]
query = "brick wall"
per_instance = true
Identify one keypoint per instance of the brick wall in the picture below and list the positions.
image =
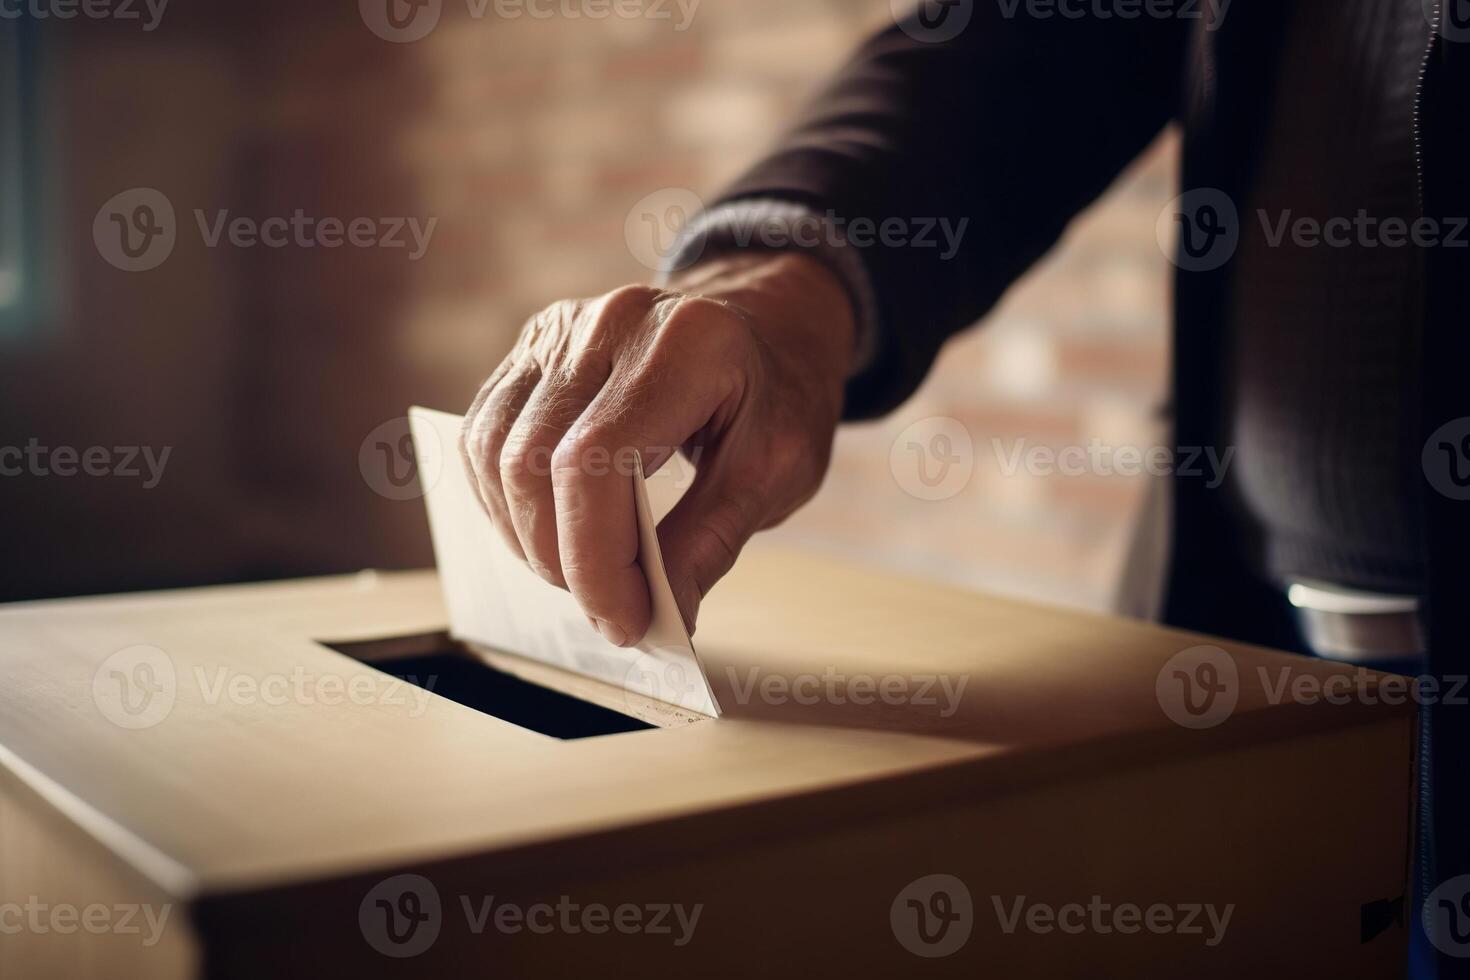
(529, 140)
(538, 137)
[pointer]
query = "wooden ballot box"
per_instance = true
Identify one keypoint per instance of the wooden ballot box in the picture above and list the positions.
(310, 779)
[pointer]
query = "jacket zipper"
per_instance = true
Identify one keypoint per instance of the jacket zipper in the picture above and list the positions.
(1425, 844)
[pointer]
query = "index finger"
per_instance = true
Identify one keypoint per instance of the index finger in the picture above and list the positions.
(592, 470)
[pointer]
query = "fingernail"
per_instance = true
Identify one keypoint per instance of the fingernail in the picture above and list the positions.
(611, 633)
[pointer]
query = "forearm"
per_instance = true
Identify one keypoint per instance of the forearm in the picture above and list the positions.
(979, 152)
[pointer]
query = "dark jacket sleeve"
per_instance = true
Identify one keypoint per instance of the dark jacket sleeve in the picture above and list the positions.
(1013, 126)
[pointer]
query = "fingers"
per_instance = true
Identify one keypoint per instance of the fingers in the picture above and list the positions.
(484, 438)
(677, 387)
(597, 533)
(551, 444)
(597, 528)
(467, 451)
(525, 460)
(576, 345)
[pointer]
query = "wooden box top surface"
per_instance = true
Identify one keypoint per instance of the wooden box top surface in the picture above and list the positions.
(255, 786)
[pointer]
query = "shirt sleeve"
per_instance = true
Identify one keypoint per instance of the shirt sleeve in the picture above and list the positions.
(961, 159)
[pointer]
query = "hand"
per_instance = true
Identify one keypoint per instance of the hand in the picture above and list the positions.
(740, 365)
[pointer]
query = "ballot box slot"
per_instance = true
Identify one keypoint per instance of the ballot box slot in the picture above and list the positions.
(440, 664)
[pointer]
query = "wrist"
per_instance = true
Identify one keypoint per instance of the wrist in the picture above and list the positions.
(784, 291)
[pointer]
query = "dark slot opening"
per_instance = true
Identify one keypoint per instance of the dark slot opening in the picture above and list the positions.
(457, 674)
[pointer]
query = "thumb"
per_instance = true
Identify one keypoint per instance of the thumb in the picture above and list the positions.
(702, 536)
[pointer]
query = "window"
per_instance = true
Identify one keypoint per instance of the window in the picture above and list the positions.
(19, 193)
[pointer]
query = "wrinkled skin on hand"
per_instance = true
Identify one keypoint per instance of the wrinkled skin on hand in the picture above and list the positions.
(739, 364)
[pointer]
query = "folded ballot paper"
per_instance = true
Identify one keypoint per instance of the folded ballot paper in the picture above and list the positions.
(496, 601)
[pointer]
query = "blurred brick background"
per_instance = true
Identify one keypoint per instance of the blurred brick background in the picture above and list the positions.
(529, 140)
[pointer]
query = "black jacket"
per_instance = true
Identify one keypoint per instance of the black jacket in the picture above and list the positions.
(1018, 123)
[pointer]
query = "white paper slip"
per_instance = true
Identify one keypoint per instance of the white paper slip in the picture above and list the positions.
(495, 600)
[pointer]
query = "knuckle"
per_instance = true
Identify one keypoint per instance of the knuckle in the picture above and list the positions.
(475, 444)
(704, 331)
(471, 430)
(565, 392)
(524, 464)
(532, 329)
(583, 573)
(549, 333)
(700, 316)
(589, 454)
(480, 435)
(611, 322)
(557, 380)
(630, 302)
(578, 453)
